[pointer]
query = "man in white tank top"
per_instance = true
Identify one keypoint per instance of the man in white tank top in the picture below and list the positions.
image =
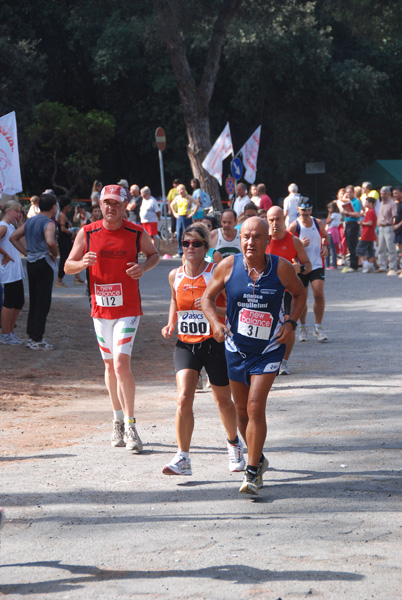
(315, 239)
(226, 240)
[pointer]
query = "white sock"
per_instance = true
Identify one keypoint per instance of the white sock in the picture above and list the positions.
(317, 325)
(184, 454)
(118, 415)
(128, 421)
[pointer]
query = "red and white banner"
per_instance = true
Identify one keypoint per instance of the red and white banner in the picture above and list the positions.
(250, 154)
(219, 151)
(10, 174)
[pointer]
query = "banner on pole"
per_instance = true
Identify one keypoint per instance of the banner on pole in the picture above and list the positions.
(250, 154)
(10, 173)
(219, 151)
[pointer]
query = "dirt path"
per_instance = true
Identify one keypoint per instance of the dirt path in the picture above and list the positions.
(50, 399)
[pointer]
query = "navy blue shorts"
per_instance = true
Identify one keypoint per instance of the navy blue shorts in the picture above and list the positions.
(242, 366)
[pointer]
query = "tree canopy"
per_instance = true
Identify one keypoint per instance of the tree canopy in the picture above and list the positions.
(91, 84)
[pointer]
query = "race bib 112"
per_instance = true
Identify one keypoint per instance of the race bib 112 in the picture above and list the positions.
(110, 294)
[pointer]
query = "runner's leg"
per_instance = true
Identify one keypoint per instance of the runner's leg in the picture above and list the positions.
(240, 396)
(319, 299)
(186, 380)
(227, 411)
(256, 431)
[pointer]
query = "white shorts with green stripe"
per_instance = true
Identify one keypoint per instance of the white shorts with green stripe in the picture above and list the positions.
(116, 336)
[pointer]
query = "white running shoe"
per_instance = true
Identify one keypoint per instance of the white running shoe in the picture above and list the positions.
(391, 272)
(40, 345)
(319, 334)
(236, 459)
(178, 466)
(132, 439)
(17, 339)
(117, 439)
(303, 333)
(284, 368)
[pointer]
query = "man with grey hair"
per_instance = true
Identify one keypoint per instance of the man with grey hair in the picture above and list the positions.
(150, 214)
(290, 204)
(386, 244)
(134, 205)
(241, 200)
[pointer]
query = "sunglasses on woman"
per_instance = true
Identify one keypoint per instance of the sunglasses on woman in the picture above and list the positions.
(193, 243)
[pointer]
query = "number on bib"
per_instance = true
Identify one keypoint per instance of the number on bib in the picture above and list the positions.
(109, 294)
(254, 324)
(192, 323)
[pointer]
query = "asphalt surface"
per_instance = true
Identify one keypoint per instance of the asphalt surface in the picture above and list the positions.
(93, 522)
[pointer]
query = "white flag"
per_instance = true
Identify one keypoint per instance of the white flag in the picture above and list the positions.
(219, 151)
(250, 154)
(10, 174)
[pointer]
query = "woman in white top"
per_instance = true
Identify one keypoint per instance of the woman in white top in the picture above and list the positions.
(34, 208)
(95, 193)
(11, 274)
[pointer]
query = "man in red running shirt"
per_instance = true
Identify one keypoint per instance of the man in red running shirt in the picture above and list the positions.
(288, 246)
(109, 250)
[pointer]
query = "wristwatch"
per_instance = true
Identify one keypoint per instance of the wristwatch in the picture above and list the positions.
(293, 323)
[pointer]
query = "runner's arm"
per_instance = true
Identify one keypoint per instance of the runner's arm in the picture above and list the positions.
(168, 330)
(289, 279)
(301, 256)
(136, 270)
(325, 237)
(215, 286)
(78, 260)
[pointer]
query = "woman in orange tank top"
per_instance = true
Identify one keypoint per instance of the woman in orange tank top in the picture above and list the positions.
(196, 348)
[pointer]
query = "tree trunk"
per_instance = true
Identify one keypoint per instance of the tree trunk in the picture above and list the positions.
(195, 99)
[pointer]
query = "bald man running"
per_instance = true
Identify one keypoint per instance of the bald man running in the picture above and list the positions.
(255, 333)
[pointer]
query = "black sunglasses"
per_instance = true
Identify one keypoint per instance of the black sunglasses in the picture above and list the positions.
(193, 243)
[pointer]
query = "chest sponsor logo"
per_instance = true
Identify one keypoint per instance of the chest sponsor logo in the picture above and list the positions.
(112, 253)
(189, 286)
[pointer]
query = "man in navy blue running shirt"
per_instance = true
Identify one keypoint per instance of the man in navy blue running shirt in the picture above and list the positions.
(255, 333)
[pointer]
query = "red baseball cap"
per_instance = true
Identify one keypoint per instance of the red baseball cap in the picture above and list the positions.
(114, 192)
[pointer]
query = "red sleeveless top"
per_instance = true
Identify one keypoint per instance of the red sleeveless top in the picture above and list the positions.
(113, 293)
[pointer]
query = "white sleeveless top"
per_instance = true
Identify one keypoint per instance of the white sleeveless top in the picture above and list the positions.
(314, 248)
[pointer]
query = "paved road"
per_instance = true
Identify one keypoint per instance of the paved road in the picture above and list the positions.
(92, 522)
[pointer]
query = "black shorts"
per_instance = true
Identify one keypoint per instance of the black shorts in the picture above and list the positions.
(287, 301)
(209, 354)
(312, 276)
(14, 295)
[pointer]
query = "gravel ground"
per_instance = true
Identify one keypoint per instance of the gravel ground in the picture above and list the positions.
(87, 521)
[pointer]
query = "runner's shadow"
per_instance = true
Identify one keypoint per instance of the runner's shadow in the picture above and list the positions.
(239, 574)
(34, 457)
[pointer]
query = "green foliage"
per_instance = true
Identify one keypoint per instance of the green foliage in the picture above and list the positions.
(65, 145)
(320, 77)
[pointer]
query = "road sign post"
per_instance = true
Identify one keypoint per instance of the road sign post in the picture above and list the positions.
(236, 168)
(160, 139)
